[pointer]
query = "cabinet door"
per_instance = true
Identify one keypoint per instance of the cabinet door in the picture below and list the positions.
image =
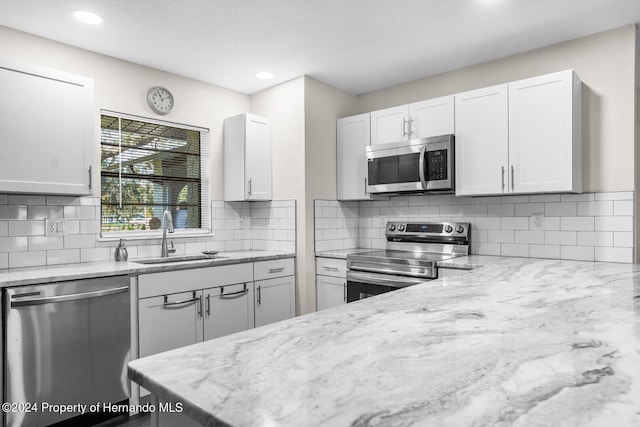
(330, 291)
(432, 117)
(353, 136)
(47, 127)
(482, 141)
(544, 150)
(390, 125)
(275, 300)
(169, 321)
(258, 158)
(227, 310)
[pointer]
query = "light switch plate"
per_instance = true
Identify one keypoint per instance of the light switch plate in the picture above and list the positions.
(54, 227)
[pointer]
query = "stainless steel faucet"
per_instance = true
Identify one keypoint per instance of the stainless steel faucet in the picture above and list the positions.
(165, 251)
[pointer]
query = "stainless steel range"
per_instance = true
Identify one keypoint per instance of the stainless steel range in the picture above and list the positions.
(411, 255)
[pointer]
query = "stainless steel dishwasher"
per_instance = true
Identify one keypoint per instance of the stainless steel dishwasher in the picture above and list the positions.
(66, 343)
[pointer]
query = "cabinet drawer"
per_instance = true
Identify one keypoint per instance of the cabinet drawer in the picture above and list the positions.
(331, 267)
(169, 282)
(276, 268)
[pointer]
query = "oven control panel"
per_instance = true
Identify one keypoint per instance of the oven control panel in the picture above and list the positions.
(428, 231)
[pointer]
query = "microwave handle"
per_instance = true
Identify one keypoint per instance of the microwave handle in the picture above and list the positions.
(423, 179)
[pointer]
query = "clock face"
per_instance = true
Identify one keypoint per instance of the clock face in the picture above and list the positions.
(160, 100)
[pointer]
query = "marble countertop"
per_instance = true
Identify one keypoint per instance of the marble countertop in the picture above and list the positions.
(57, 273)
(516, 342)
(341, 253)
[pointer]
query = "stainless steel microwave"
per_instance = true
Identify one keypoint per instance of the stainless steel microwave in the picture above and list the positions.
(417, 165)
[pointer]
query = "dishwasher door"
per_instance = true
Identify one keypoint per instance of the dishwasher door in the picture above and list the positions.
(66, 343)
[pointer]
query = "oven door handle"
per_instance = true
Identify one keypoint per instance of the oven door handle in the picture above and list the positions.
(383, 279)
(423, 179)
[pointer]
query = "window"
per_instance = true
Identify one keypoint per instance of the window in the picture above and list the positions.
(148, 167)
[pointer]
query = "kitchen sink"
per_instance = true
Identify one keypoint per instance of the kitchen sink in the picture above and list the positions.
(178, 258)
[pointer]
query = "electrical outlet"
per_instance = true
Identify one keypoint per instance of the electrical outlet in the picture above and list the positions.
(54, 227)
(536, 221)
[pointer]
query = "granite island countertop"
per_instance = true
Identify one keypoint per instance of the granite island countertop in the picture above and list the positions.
(516, 342)
(89, 270)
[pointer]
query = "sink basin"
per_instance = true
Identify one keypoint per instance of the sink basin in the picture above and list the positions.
(178, 258)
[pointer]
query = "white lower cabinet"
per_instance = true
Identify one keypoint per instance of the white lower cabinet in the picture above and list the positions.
(227, 310)
(169, 321)
(275, 297)
(331, 282)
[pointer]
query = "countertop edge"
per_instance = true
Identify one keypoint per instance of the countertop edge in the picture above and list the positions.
(79, 271)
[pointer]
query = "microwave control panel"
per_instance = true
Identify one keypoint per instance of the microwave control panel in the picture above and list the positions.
(436, 165)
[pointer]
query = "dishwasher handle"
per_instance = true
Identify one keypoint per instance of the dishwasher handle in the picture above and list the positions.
(63, 298)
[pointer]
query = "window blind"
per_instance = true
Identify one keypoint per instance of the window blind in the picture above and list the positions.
(149, 166)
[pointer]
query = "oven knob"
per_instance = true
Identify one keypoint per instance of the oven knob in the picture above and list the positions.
(448, 229)
(392, 227)
(401, 227)
(460, 229)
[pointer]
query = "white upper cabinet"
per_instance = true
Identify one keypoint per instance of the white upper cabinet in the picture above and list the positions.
(432, 117)
(390, 125)
(482, 141)
(521, 137)
(351, 163)
(418, 120)
(545, 133)
(47, 130)
(247, 158)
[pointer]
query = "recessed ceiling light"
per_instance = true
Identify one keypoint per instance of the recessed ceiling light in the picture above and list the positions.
(264, 75)
(87, 17)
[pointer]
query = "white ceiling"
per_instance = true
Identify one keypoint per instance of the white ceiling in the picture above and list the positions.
(355, 45)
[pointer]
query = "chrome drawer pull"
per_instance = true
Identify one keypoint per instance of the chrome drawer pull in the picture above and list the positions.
(330, 268)
(276, 270)
(233, 294)
(167, 303)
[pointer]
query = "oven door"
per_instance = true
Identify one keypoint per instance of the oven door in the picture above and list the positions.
(361, 285)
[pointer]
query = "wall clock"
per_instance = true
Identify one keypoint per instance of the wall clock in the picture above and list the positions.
(160, 100)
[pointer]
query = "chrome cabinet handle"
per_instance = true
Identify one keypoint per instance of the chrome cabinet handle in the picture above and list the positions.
(63, 298)
(365, 185)
(233, 294)
(330, 268)
(502, 178)
(167, 303)
(208, 305)
(512, 177)
(259, 296)
(404, 127)
(250, 185)
(344, 287)
(410, 126)
(276, 270)
(90, 177)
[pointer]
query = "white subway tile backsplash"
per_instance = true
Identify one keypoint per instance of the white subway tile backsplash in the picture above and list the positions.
(528, 209)
(514, 223)
(507, 209)
(4, 228)
(519, 250)
(560, 237)
(13, 212)
(501, 236)
(582, 253)
(14, 244)
(614, 223)
(44, 243)
(561, 209)
(584, 197)
(63, 256)
(485, 248)
(575, 223)
(544, 251)
(514, 199)
(27, 259)
(26, 228)
(595, 238)
(526, 236)
(614, 254)
(99, 254)
(4, 257)
(622, 239)
(623, 207)
(26, 199)
(542, 198)
(598, 208)
(620, 195)
(42, 212)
